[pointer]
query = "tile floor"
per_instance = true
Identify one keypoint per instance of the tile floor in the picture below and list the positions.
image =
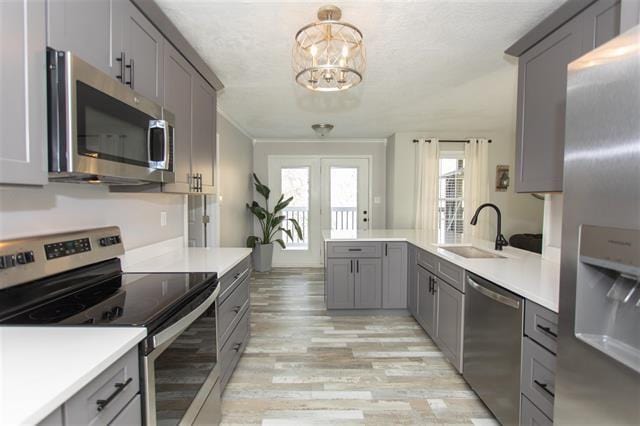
(304, 365)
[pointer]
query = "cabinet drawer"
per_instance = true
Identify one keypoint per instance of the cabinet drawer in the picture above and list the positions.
(230, 310)
(354, 250)
(538, 375)
(426, 260)
(233, 348)
(53, 419)
(530, 415)
(234, 277)
(83, 407)
(451, 273)
(131, 415)
(541, 325)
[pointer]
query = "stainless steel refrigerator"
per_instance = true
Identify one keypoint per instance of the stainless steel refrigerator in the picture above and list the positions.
(598, 373)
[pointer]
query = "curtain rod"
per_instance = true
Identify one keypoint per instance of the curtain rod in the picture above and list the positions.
(450, 140)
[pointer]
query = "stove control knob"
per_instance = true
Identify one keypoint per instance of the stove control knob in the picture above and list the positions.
(107, 315)
(29, 256)
(117, 311)
(103, 242)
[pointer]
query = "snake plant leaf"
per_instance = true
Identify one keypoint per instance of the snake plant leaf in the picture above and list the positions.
(252, 241)
(297, 228)
(279, 241)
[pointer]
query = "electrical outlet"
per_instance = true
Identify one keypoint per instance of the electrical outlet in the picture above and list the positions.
(163, 218)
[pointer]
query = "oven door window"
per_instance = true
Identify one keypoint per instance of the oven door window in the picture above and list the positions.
(183, 367)
(109, 129)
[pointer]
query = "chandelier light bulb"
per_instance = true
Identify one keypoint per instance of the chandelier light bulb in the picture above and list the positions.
(329, 55)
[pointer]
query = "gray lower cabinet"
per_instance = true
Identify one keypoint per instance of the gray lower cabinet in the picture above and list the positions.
(23, 157)
(340, 284)
(113, 398)
(367, 283)
(412, 283)
(394, 275)
(427, 302)
(542, 78)
(530, 415)
(450, 321)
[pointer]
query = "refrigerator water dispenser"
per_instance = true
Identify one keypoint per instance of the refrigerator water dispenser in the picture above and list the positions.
(608, 292)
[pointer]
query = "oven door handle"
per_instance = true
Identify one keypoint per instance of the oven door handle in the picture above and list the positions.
(169, 333)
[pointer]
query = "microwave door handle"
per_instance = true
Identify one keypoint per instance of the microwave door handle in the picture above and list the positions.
(163, 125)
(167, 145)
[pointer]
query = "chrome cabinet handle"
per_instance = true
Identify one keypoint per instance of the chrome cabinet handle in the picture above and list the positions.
(102, 403)
(493, 295)
(132, 71)
(547, 330)
(545, 387)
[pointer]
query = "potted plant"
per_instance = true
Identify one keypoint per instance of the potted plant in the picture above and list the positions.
(271, 223)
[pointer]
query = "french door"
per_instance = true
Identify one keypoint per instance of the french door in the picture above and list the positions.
(329, 193)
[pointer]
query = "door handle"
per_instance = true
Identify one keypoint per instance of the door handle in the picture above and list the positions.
(102, 403)
(545, 387)
(547, 330)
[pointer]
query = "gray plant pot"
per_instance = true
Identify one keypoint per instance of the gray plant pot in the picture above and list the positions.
(262, 257)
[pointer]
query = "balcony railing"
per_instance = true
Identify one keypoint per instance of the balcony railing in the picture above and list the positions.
(301, 214)
(344, 218)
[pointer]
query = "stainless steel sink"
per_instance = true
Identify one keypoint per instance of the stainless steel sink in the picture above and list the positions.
(471, 252)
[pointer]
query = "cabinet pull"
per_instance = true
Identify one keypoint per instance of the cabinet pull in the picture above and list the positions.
(430, 284)
(547, 330)
(351, 262)
(355, 249)
(121, 59)
(236, 347)
(102, 403)
(357, 266)
(545, 387)
(386, 249)
(236, 309)
(132, 71)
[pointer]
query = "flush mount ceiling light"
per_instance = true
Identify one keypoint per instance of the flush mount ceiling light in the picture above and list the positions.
(322, 129)
(328, 55)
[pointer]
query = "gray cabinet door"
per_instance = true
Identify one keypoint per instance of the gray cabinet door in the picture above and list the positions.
(450, 323)
(600, 23)
(340, 283)
(203, 145)
(426, 302)
(412, 294)
(630, 14)
(23, 100)
(178, 80)
(131, 415)
(85, 28)
(368, 283)
(542, 85)
(143, 46)
(394, 276)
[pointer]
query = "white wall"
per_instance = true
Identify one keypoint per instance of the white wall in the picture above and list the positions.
(26, 211)
(376, 150)
(235, 165)
(520, 212)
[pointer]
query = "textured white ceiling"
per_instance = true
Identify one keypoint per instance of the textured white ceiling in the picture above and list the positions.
(431, 65)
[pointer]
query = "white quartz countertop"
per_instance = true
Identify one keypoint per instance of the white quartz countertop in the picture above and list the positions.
(522, 272)
(184, 259)
(42, 367)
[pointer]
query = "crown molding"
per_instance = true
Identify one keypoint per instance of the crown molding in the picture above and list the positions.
(234, 123)
(318, 140)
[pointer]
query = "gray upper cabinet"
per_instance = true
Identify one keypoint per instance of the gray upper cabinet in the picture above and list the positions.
(368, 283)
(542, 85)
(87, 29)
(23, 117)
(394, 275)
(340, 280)
(426, 302)
(142, 45)
(203, 143)
(178, 79)
(450, 322)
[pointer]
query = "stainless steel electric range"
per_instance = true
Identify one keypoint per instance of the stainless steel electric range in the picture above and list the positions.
(76, 279)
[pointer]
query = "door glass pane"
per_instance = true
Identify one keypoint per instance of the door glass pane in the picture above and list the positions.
(450, 197)
(344, 198)
(295, 183)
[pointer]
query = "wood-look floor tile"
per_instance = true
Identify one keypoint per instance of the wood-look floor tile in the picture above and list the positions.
(304, 365)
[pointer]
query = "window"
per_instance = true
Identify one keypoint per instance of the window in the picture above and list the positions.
(450, 193)
(295, 183)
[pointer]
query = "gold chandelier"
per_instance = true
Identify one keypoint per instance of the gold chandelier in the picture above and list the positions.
(329, 55)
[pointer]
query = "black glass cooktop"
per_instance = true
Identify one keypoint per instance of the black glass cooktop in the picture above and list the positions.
(102, 296)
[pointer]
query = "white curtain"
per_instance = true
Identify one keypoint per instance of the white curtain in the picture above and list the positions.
(427, 173)
(476, 186)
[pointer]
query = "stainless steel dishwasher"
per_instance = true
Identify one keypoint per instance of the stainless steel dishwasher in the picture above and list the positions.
(492, 346)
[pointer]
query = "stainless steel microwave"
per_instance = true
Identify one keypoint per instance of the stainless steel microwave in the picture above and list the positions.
(102, 131)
